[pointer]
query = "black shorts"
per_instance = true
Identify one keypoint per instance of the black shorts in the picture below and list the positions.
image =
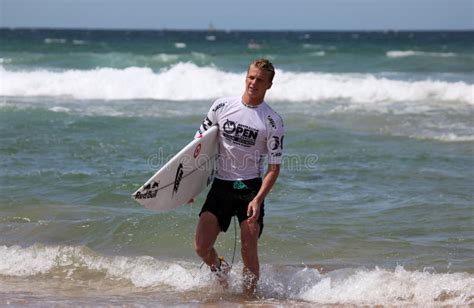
(229, 198)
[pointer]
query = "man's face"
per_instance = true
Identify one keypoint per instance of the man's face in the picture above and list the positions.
(257, 82)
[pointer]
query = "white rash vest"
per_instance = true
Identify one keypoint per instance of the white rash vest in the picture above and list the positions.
(247, 135)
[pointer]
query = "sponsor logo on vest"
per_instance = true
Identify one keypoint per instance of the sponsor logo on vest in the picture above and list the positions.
(271, 121)
(240, 134)
(218, 107)
(206, 123)
(229, 126)
(275, 143)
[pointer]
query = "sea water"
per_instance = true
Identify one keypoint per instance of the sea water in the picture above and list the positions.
(374, 203)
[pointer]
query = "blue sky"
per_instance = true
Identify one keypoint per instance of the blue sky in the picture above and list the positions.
(240, 15)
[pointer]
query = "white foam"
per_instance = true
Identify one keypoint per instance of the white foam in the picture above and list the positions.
(344, 286)
(5, 60)
(55, 41)
(140, 271)
(17, 261)
(59, 109)
(199, 56)
(318, 53)
(187, 81)
(180, 45)
(165, 57)
(445, 137)
(399, 287)
(413, 53)
(311, 46)
(79, 42)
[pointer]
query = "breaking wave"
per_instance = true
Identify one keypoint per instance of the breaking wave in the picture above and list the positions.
(187, 81)
(343, 286)
(413, 53)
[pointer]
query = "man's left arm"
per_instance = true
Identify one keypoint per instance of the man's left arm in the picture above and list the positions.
(275, 152)
(253, 209)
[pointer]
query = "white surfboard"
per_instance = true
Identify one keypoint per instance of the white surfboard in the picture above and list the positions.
(183, 177)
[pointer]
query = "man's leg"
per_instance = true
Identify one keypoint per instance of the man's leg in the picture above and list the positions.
(249, 233)
(207, 231)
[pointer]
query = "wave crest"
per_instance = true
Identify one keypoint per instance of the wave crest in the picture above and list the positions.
(413, 53)
(187, 81)
(343, 286)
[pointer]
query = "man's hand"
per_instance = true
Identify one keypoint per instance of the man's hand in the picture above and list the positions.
(253, 210)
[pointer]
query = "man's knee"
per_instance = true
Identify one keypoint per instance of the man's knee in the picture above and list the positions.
(250, 230)
(206, 234)
(249, 235)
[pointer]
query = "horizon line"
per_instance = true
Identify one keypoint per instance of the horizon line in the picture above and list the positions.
(231, 30)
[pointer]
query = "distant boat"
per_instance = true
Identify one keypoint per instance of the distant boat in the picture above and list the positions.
(210, 37)
(210, 27)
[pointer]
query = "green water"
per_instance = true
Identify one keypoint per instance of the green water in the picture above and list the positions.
(374, 203)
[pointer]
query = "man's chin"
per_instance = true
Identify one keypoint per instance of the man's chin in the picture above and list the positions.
(253, 94)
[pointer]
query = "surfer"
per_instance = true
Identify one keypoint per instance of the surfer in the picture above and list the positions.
(249, 132)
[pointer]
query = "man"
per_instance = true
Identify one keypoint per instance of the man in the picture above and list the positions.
(249, 131)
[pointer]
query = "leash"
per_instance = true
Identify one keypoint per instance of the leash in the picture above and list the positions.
(235, 244)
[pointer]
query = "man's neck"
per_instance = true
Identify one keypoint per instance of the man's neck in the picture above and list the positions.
(252, 101)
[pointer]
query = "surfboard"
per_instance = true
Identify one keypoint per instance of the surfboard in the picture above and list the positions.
(183, 177)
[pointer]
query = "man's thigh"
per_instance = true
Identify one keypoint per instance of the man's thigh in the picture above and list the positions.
(207, 230)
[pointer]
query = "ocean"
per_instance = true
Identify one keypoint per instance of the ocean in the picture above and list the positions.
(373, 206)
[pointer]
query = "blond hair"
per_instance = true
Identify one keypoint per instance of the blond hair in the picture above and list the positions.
(264, 65)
